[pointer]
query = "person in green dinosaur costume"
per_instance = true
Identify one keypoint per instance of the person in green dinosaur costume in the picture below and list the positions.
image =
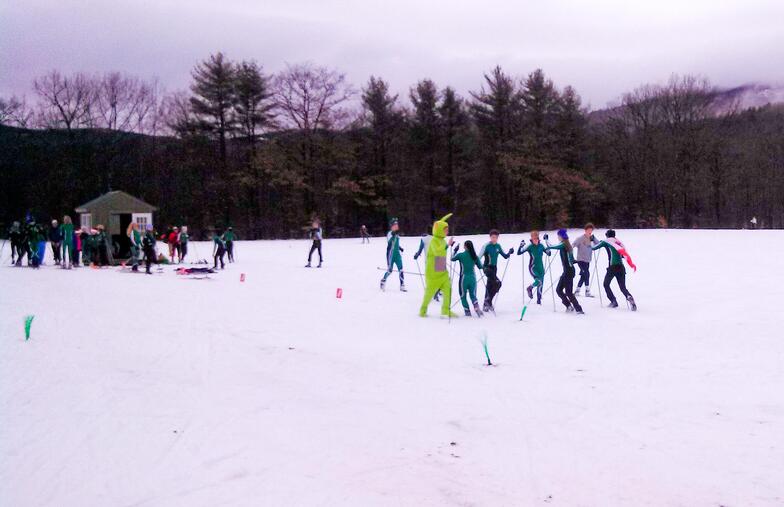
(436, 273)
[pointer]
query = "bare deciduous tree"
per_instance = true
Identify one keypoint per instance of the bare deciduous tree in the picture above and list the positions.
(311, 97)
(14, 111)
(124, 102)
(65, 101)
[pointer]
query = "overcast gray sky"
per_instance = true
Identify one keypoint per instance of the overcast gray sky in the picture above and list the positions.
(602, 47)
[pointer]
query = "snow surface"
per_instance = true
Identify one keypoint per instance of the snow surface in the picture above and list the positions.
(156, 390)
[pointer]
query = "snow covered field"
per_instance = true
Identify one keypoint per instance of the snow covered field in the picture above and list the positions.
(139, 390)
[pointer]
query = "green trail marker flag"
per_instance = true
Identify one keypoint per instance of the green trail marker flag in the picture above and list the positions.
(28, 323)
(484, 346)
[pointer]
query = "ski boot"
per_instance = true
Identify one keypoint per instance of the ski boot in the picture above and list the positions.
(613, 304)
(467, 312)
(450, 315)
(577, 291)
(569, 309)
(307, 265)
(579, 311)
(403, 288)
(631, 302)
(588, 293)
(319, 264)
(135, 269)
(382, 285)
(530, 291)
(477, 310)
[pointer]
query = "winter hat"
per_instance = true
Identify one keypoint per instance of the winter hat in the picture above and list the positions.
(562, 234)
(610, 233)
(392, 221)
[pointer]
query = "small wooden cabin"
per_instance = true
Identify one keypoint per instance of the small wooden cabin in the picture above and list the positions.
(115, 211)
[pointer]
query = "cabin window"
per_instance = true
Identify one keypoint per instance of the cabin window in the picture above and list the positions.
(86, 221)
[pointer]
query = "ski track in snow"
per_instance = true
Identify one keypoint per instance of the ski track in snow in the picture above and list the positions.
(145, 391)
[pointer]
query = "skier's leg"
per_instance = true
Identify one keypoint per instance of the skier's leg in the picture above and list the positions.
(560, 290)
(430, 290)
(446, 289)
(569, 294)
(399, 263)
(607, 279)
(312, 249)
(463, 291)
(621, 277)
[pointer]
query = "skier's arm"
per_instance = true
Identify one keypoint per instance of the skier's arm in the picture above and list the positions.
(598, 245)
(504, 254)
(482, 251)
(455, 255)
(419, 251)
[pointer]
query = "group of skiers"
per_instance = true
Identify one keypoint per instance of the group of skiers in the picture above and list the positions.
(71, 247)
(577, 253)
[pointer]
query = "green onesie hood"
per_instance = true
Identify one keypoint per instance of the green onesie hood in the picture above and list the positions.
(439, 226)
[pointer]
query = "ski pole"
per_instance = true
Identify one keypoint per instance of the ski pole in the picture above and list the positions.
(451, 275)
(421, 279)
(596, 276)
(495, 299)
(3, 248)
(551, 282)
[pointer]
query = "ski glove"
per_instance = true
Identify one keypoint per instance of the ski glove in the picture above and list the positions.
(522, 243)
(593, 238)
(511, 250)
(546, 237)
(416, 256)
(401, 249)
(457, 247)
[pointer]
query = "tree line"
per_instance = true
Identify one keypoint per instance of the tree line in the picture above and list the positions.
(266, 153)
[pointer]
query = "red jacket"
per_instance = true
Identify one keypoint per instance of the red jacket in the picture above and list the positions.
(174, 238)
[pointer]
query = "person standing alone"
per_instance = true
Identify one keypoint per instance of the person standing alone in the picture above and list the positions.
(393, 254)
(315, 235)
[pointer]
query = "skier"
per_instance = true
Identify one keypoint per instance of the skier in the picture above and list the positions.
(363, 232)
(15, 235)
(67, 239)
(173, 239)
(535, 265)
(583, 245)
(467, 280)
(424, 241)
(35, 235)
(101, 247)
(56, 239)
(436, 274)
(315, 234)
(566, 282)
(136, 244)
(77, 248)
(87, 246)
(183, 239)
(148, 245)
(616, 252)
(393, 254)
(489, 255)
(219, 250)
(228, 239)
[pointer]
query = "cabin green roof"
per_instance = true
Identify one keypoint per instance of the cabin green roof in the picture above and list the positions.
(118, 201)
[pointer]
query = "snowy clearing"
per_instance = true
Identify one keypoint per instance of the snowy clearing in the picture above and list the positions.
(138, 390)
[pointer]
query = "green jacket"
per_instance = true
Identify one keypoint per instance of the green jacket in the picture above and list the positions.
(467, 264)
(567, 257)
(184, 238)
(228, 236)
(537, 255)
(490, 253)
(615, 257)
(136, 238)
(393, 246)
(66, 231)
